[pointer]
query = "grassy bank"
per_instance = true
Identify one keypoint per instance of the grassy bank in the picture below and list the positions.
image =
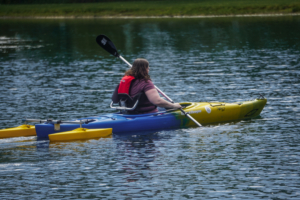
(153, 8)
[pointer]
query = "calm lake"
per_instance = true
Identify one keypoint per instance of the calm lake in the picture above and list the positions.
(55, 69)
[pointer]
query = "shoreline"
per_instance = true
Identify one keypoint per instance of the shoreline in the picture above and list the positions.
(150, 17)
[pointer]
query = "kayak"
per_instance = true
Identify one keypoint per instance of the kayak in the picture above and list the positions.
(203, 112)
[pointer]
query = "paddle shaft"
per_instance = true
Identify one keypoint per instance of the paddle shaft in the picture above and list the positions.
(163, 94)
(125, 61)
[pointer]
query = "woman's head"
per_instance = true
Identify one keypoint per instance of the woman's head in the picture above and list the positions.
(139, 69)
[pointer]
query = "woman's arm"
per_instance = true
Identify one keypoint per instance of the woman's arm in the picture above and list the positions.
(154, 98)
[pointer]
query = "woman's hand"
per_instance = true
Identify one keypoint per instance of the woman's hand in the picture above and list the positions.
(177, 106)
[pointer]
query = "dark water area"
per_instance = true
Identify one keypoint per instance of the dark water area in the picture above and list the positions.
(55, 69)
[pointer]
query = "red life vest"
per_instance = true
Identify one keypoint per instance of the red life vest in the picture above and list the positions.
(125, 84)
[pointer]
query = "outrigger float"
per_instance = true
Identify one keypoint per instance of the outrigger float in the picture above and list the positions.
(117, 123)
(76, 134)
(20, 131)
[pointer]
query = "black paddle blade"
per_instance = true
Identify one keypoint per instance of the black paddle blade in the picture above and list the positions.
(107, 44)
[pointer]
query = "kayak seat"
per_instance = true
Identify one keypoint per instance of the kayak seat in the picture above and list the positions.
(126, 102)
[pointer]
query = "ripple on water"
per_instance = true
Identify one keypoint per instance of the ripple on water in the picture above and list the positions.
(60, 78)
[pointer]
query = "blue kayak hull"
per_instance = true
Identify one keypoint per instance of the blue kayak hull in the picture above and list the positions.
(121, 124)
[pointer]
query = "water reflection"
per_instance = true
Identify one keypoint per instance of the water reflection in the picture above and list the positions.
(55, 69)
(136, 155)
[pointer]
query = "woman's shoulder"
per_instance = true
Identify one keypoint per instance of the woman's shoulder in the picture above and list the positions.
(143, 81)
(148, 85)
(146, 82)
(143, 84)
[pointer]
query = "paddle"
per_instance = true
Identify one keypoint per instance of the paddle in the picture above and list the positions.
(109, 46)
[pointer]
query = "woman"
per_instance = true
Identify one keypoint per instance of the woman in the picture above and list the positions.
(137, 80)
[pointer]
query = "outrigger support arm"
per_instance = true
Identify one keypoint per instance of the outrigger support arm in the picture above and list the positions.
(53, 121)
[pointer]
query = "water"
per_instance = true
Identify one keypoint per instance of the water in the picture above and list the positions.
(55, 69)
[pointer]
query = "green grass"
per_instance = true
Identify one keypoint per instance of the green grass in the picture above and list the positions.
(153, 8)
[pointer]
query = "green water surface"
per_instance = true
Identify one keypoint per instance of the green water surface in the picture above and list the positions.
(55, 69)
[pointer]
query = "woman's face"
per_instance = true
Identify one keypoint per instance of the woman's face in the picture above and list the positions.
(148, 69)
